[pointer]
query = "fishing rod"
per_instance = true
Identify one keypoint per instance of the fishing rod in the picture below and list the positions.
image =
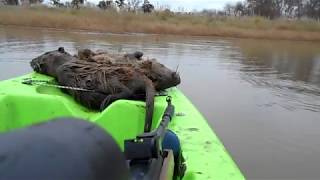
(147, 159)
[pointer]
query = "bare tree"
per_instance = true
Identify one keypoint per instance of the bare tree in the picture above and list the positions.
(228, 8)
(312, 9)
(105, 4)
(77, 3)
(239, 9)
(275, 8)
(12, 2)
(147, 7)
(120, 3)
(109, 4)
(267, 8)
(290, 6)
(102, 5)
(133, 5)
(57, 3)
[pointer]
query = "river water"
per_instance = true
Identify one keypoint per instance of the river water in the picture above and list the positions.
(261, 97)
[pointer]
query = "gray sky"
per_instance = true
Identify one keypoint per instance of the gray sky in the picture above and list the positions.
(194, 4)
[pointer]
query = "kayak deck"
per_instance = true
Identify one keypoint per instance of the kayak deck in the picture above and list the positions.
(23, 105)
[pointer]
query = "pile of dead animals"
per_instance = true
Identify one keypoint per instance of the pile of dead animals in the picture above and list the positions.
(107, 77)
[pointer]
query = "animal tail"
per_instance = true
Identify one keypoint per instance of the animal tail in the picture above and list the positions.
(150, 94)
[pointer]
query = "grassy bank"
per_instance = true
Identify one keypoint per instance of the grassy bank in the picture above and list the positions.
(160, 23)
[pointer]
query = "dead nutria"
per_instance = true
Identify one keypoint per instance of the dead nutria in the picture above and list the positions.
(48, 62)
(103, 56)
(85, 54)
(107, 84)
(161, 76)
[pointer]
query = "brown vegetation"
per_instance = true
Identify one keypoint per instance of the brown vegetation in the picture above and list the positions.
(160, 23)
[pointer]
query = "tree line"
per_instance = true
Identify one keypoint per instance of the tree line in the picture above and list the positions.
(128, 5)
(275, 8)
(17, 2)
(267, 8)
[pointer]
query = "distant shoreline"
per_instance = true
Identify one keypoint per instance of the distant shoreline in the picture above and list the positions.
(160, 23)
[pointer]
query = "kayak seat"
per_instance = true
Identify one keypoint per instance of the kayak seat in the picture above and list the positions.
(63, 149)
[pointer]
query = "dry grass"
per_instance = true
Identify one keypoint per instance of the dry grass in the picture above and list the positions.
(160, 23)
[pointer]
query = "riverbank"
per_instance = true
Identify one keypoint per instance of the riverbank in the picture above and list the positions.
(160, 23)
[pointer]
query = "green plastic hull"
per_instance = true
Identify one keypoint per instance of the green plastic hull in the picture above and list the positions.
(206, 158)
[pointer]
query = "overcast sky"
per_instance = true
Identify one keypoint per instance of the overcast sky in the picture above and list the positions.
(194, 4)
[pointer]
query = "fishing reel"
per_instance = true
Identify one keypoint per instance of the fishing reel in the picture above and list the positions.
(156, 154)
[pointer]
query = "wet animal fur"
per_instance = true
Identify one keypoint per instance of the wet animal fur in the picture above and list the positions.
(107, 81)
(108, 84)
(103, 56)
(48, 62)
(161, 76)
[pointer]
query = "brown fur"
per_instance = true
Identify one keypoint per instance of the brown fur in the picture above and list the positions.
(48, 62)
(103, 56)
(161, 76)
(108, 83)
(107, 79)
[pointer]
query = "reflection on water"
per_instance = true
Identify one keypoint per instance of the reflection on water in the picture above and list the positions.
(290, 69)
(261, 97)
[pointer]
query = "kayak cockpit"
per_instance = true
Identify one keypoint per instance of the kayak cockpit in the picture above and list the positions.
(24, 105)
(31, 104)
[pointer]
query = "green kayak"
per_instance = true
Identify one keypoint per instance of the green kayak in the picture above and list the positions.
(23, 105)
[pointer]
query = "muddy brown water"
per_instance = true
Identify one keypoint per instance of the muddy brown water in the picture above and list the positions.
(261, 97)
